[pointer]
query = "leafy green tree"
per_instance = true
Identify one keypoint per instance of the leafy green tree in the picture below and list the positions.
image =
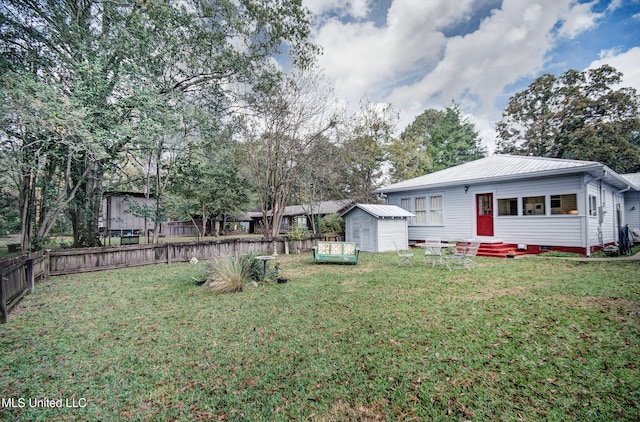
(40, 146)
(578, 115)
(107, 59)
(283, 134)
(208, 183)
(437, 139)
(363, 141)
(9, 215)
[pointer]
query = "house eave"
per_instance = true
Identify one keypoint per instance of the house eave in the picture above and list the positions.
(597, 170)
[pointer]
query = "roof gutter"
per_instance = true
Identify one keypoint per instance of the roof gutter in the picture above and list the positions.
(628, 188)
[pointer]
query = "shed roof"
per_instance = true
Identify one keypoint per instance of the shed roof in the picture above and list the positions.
(506, 167)
(381, 211)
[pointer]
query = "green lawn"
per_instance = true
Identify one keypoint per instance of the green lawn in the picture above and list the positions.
(523, 339)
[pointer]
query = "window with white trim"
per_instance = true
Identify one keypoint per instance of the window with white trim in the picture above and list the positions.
(564, 204)
(593, 206)
(405, 204)
(533, 205)
(507, 206)
(435, 210)
(421, 210)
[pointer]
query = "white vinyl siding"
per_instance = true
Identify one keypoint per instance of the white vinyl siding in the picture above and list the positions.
(373, 234)
(571, 229)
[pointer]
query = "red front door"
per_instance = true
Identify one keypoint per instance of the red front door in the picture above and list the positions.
(484, 214)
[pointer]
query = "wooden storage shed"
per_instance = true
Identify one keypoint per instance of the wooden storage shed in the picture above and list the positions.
(377, 228)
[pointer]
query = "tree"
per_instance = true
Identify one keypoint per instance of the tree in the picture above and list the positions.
(107, 58)
(208, 181)
(40, 145)
(363, 142)
(282, 137)
(578, 115)
(437, 139)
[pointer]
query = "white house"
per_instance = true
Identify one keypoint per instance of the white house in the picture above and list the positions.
(632, 201)
(533, 204)
(377, 228)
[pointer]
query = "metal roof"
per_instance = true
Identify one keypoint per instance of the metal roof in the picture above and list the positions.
(381, 211)
(633, 178)
(323, 207)
(503, 168)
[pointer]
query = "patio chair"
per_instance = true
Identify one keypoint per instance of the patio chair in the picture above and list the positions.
(461, 255)
(433, 252)
(406, 257)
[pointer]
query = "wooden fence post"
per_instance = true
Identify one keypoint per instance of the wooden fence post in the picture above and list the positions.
(47, 263)
(30, 276)
(3, 301)
(168, 253)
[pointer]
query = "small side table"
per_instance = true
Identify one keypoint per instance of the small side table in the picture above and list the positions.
(265, 259)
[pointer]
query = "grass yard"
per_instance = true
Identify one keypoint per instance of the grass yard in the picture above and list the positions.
(523, 339)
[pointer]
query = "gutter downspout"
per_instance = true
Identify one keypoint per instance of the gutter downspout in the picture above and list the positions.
(628, 188)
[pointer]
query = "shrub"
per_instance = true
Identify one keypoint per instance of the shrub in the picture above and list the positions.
(230, 274)
(298, 233)
(332, 223)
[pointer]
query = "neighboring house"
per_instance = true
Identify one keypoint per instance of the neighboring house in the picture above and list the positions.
(116, 220)
(632, 201)
(300, 215)
(529, 203)
(377, 228)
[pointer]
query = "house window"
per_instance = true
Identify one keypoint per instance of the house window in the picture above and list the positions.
(421, 210)
(405, 204)
(436, 210)
(508, 206)
(564, 204)
(533, 205)
(593, 206)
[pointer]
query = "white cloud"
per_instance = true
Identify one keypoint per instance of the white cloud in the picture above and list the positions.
(626, 62)
(353, 8)
(363, 58)
(510, 44)
(409, 62)
(578, 19)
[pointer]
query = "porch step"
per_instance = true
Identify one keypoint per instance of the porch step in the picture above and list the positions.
(499, 250)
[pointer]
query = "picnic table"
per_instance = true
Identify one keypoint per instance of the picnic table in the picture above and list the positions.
(434, 251)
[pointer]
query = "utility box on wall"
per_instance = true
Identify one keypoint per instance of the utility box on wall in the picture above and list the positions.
(377, 228)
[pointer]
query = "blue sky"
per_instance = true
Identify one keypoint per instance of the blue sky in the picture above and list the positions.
(419, 54)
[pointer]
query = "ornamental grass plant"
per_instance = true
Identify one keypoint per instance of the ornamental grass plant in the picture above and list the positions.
(230, 274)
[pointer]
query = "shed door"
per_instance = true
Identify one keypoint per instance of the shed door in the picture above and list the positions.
(484, 214)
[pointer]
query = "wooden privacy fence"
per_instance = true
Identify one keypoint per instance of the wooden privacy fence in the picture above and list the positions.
(17, 275)
(20, 273)
(71, 261)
